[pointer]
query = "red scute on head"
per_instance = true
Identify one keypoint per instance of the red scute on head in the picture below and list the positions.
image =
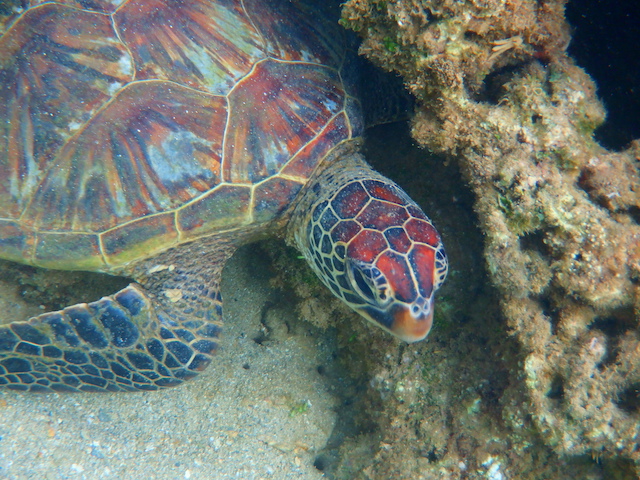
(350, 200)
(366, 246)
(382, 215)
(344, 231)
(422, 231)
(396, 270)
(398, 239)
(384, 191)
(422, 263)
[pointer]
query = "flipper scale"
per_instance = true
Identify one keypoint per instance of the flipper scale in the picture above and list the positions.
(120, 342)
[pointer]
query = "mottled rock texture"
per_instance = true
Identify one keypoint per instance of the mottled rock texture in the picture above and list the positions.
(498, 95)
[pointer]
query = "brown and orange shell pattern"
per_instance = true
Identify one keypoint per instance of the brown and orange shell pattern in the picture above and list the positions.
(127, 127)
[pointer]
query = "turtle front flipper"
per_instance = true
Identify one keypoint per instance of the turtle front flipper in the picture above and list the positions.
(126, 341)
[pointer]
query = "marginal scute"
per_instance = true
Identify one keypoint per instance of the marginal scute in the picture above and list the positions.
(354, 114)
(139, 238)
(68, 251)
(272, 197)
(16, 241)
(225, 207)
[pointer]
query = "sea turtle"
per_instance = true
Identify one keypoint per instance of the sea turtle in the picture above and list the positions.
(149, 139)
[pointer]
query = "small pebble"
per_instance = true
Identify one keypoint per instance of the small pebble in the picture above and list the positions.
(103, 416)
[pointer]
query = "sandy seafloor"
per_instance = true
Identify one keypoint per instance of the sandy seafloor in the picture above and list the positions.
(260, 411)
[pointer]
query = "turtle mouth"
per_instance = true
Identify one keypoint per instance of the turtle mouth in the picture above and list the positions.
(406, 322)
(411, 327)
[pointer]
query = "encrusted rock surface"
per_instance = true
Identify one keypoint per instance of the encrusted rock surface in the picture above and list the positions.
(498, 95)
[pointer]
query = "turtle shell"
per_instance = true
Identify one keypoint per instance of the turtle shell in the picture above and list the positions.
(129, 127)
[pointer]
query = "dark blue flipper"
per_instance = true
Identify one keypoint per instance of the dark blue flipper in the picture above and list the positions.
(122, 342)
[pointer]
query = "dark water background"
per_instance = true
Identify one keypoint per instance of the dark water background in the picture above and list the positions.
(606, 43)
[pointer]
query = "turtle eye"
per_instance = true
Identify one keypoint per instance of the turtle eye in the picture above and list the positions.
(369, 283)
(361, 283)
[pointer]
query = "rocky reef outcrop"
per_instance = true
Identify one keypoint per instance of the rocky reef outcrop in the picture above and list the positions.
(498, 95)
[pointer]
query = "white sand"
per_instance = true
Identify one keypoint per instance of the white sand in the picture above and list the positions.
(259, 411)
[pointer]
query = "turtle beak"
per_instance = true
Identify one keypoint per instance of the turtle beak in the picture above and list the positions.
(408, 327)
(400, 321)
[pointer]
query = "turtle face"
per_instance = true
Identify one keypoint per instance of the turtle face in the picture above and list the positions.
(377, 251)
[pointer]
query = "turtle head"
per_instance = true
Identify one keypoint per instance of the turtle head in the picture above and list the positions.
(378, 252)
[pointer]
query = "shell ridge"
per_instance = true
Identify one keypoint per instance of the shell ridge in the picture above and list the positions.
(255, 27)
(116, 29)
(223, 159)
(302, 147)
